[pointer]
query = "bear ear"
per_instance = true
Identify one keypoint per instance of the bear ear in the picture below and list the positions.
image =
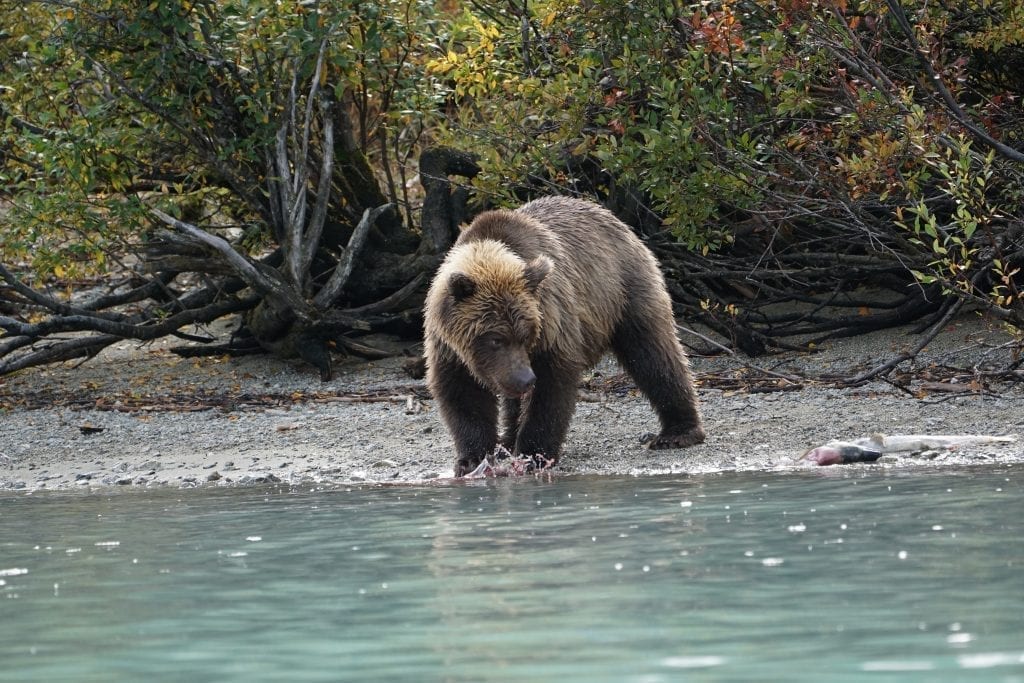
(461, 286)
(536, 271)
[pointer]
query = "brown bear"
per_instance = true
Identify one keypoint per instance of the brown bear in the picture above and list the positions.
(523, 304)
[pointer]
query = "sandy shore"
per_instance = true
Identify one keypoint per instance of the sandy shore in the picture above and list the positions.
(142, 416)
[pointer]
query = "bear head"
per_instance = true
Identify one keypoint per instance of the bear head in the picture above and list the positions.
(488, 301)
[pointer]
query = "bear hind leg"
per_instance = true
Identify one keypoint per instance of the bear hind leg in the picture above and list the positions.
(651, 354)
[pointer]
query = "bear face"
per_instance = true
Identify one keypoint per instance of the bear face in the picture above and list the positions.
(490, 313)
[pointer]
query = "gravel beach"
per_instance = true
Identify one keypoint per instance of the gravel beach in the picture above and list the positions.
(142, 416)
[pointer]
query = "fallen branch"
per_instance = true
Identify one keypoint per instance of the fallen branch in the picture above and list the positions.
(28, 334)
(86, 347)
(953, 307)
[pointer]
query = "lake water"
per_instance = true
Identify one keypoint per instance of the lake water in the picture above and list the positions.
(836, 574)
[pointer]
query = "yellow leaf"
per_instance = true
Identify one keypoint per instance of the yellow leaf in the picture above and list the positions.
(583, 147)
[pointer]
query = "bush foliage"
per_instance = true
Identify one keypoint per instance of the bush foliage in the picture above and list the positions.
(847, 127)
(110, 103)
(769, 150)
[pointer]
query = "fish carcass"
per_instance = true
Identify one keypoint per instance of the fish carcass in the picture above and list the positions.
(871, 448)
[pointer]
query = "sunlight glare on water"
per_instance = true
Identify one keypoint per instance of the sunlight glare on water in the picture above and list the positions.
(838, 574)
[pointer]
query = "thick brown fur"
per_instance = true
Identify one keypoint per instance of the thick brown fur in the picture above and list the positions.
(524, 303)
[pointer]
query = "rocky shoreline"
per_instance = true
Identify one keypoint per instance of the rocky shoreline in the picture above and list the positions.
(140, 416)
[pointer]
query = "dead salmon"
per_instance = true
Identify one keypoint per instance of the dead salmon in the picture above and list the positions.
(871, 448)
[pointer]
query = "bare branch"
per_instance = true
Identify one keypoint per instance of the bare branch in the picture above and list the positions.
(323, 195)
(111, 332)
(245, 268)
(326, 296)
(298, 238)
(146, 331)
(311, 99)
(392, 301)
(49, 303)
(85, 347)
(885, 368)
(283, 174)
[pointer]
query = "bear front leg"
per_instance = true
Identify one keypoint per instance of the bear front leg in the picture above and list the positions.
(468, 410)
(552, 402)
(511, 413)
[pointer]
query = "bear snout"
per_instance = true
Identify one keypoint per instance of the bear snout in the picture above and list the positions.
(519, 382)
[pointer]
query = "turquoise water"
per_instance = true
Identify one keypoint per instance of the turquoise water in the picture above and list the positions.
(838, 574)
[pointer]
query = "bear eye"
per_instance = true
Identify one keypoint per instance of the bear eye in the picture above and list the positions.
(494, 342)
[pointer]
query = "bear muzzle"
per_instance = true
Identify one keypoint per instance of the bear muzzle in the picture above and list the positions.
(519, 382)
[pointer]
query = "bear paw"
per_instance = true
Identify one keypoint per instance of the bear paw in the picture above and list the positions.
(677, 439)
(464, 467)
